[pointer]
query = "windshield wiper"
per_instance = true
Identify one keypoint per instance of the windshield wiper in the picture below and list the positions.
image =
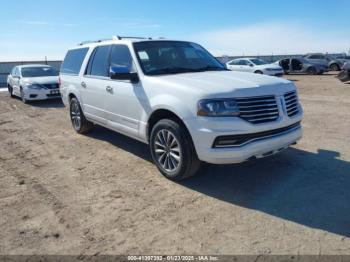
(212, 68)
(172, 70)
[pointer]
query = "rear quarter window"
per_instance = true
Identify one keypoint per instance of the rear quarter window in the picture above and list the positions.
(73, 61)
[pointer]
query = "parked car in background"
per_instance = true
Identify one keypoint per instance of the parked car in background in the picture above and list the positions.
(344, 75)
(333, 63)
(254, 65)
(33, 82)
(176, 97)
(317, 58)
(337, 62)
(301, 66)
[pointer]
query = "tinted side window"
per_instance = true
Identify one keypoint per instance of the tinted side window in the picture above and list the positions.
(100, 62)
(243, 62)
(73, 61)
(234, 62)
(120, 56)
(317, 57)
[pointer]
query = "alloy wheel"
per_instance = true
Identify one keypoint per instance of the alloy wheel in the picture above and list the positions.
(168, 151)
(75, 115)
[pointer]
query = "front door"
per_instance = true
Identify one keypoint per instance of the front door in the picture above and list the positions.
(124, 100)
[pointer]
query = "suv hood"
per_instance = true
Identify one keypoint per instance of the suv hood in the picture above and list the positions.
(41, 80)
(225, 83)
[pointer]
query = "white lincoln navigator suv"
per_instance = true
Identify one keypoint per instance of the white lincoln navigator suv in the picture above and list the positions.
(179, 99)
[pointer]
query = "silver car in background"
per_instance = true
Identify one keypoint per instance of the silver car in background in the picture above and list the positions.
(301, 65)
(333, 63)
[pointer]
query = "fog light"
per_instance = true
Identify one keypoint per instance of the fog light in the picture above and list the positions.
(226, 142)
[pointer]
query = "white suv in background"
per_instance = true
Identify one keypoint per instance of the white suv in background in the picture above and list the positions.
(254, 65)
(33, 82)
(178, 98)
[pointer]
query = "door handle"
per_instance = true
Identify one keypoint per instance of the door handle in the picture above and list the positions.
(83, 84)
(109, 89)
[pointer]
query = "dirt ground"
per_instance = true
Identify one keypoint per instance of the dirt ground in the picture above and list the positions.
(64, 193)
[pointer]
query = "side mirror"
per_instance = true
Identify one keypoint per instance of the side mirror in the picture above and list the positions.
(251, 65)
(123, 73)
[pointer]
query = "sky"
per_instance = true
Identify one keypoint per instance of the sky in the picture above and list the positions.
(31, 30)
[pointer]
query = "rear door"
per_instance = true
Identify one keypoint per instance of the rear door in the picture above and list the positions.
(246, 66)
(319, 59)
(234, 65)
(93, 84)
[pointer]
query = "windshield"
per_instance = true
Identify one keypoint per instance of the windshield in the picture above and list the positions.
(257, 61)
(174, 57)
(38, 71)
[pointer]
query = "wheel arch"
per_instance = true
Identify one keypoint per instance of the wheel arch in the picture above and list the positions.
(159, 114)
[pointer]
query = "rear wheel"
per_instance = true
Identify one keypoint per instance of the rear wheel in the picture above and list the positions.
(79, 122)
(311, 71)
(335, 67)
(173, 151)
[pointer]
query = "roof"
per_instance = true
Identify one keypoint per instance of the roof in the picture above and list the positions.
(120, 38)
(33, 65)
(244, 58)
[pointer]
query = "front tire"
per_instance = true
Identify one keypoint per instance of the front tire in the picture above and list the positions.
(259, 72)
(10, 89)
(79, 122)
(311, 71)
(335, 67)
(24, 100)
(173, 151)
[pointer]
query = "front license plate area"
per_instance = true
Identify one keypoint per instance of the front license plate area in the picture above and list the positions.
(54, 92)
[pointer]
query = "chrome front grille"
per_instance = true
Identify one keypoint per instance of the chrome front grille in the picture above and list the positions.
(51, 86)
(292, 104)
(258, 110)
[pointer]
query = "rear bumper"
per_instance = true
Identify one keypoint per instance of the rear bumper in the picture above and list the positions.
(274, 73)
(280, 74)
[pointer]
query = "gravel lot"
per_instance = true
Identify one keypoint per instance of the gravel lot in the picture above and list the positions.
(64, 193)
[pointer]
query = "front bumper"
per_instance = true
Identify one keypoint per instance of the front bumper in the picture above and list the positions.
(274, 73)
(41, 94)
(205, 131)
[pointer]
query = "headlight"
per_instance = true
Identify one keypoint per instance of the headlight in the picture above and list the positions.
(33, 86)
(218, 107)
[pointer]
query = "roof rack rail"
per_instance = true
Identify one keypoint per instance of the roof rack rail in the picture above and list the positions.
(118, 37)
(115, 38)
(94, 41)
